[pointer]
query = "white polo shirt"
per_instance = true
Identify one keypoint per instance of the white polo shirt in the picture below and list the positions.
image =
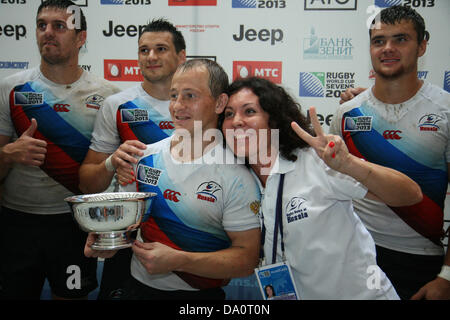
(326, 244)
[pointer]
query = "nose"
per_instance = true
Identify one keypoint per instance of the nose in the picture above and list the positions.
(389, 45)
(177, 103)
(48, 30)
(237, 121)
(152, 55)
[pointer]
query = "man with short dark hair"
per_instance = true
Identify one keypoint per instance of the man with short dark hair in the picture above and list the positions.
(46, 118)
(402, 122)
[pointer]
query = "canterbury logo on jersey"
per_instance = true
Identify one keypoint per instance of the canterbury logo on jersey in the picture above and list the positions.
(164, 125)
(171, 195)
(61, 107)
(148, 175)
(134, 115)
(28, 98)
(362, 123)
(392, 134)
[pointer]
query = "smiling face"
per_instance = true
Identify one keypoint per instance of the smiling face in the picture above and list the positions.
(246, 124)
(394, 49)
(191, 100)
(57, 42)
(157, 57)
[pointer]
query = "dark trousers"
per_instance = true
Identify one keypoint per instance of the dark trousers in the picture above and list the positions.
(136, 290)
(408, 272)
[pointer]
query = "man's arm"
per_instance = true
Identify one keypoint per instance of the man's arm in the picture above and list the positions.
(239, 260)
(94, 175)
(439, 288)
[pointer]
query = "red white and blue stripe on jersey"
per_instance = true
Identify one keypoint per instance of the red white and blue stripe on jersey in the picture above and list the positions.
(426, 217)
(66, 146)
(163, 225)
(147, 131)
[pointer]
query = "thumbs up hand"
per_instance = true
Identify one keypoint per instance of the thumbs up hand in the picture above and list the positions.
(26, 149)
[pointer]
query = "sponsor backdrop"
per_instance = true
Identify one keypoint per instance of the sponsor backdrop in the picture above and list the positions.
(314, 48)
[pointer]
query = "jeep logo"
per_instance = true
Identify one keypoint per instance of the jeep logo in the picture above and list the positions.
(274, 35)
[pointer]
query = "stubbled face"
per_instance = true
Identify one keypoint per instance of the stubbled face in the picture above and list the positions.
(157, 57)
(394, 49)
(57, 40)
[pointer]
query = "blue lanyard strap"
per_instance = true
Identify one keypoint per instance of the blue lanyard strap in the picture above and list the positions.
(278, 224)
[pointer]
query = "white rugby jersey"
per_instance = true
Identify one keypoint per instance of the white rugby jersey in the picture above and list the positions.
(413, 138)
(65, 116)
(331, 253)
(131, 115)
(196, 205)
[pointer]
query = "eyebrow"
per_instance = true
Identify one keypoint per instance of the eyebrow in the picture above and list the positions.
(51, 21)
(397, 35)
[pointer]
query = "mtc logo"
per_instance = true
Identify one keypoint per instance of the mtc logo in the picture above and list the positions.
(122, 70)
(171, 195)
(274, 35)
(392, 134)
(60, 107)
(270, 70)
(164, 125)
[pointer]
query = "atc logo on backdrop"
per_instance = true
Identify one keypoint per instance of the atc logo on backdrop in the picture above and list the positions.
(270, 70)
(192, 2)
(331, 4)
(330, 48)
(122, 70)
(447, 81)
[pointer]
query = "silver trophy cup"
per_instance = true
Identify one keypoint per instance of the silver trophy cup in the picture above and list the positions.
(111, 216)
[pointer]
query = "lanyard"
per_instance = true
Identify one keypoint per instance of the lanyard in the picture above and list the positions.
(278, 225)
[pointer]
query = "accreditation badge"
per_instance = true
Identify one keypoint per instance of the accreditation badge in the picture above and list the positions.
(276, 282)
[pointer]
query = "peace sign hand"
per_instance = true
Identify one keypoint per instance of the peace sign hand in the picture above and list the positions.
(330, 148)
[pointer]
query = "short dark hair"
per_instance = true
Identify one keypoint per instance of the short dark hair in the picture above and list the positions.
(396, 14)
(218, 78)
(162, 25)
(282, 110)
(64, 4)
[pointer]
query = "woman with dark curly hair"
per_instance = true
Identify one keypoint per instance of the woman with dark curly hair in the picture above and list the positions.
(331, 254)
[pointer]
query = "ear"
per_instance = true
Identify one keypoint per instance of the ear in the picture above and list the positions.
(422, 48)
(81, 38)
(181, 57)
(221, 103)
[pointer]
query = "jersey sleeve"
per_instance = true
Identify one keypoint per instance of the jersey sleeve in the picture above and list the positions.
(335, 125)
(242, 202)
(105, 137)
